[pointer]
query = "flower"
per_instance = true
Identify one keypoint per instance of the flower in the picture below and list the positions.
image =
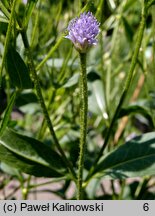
(83, 31)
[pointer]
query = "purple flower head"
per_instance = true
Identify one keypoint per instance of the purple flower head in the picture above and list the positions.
(82, 31)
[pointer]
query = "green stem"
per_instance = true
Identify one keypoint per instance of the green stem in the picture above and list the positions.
(4, 10)
(126, 88)
(32, 186)
(83, 122)
(8, 38)
(142, 188)
(150, 3)
(28, 13)
(25, 189)
(122, 185)
(63, 68)
(35, 29)
(50, 53)
(42, 103)
(43, 125)
(99, 12)
(114, 195)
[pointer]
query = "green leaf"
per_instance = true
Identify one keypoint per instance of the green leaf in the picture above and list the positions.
(96, 98)
(128, 5)
(132, 109)
(24, 165)
(133, 159)
(72, 81)
(3, 19)
(9, 169)
(128, 29)
(7, 113)
(26, 97)
(31, 151)
(17, 70)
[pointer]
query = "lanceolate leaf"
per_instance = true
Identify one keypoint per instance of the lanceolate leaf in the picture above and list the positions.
(17, 70)
(133, 159)
(24, 165)
(31, 152)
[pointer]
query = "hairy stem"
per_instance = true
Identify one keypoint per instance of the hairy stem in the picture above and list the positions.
(42, 103)
(83, 122)
(126, 87)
